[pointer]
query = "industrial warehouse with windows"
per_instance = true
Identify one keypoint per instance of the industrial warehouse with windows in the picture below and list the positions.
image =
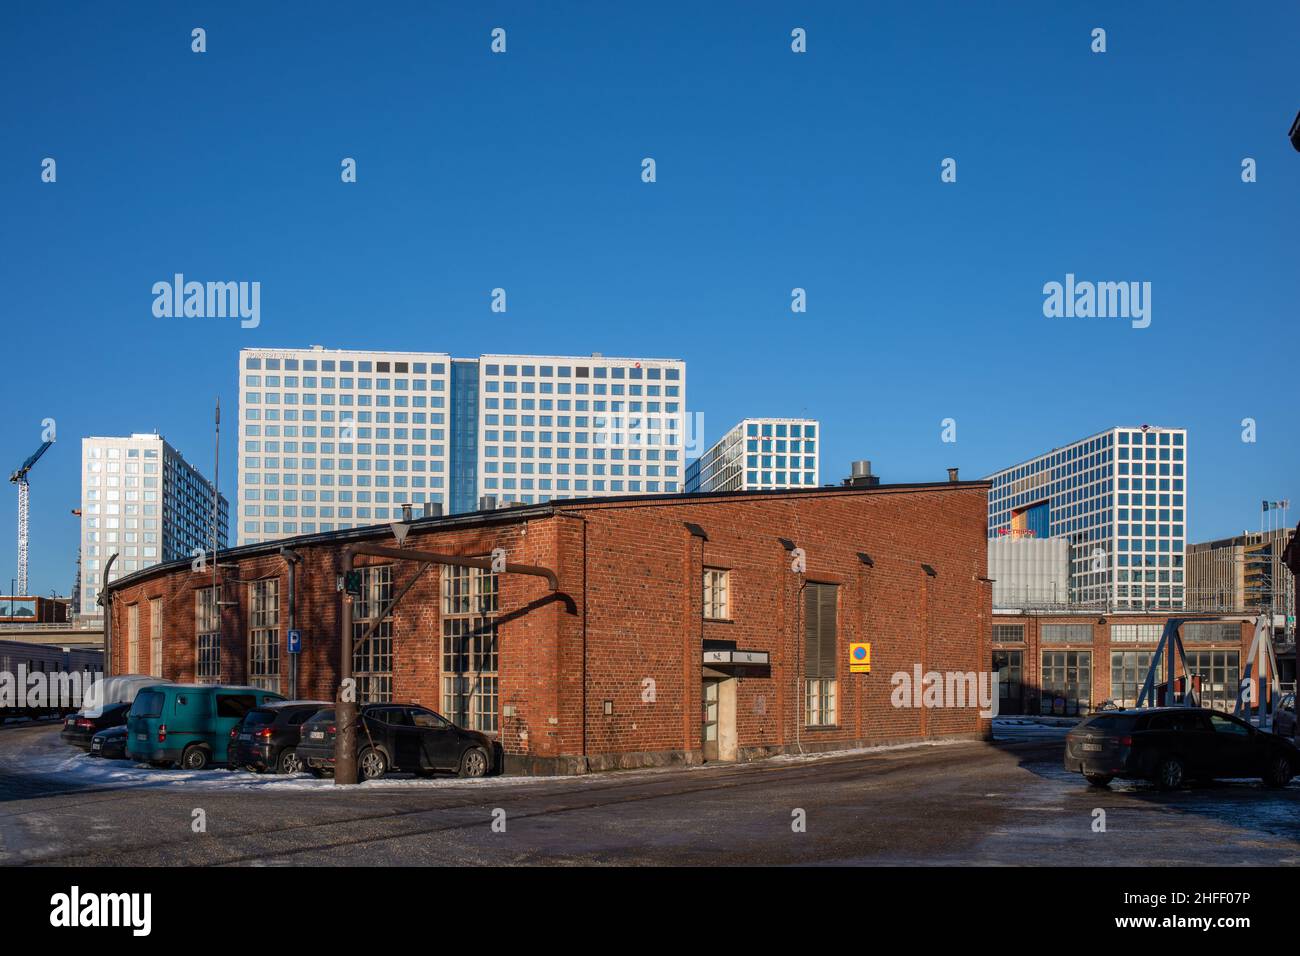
(641, 631)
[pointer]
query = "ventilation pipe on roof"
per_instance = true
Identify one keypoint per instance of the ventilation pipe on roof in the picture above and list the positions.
(860, 475)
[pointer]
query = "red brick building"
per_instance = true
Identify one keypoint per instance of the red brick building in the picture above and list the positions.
(679, 630)
(1068, 663)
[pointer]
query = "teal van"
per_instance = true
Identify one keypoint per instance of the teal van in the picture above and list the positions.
(188, 724)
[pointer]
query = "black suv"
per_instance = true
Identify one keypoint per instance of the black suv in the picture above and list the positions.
(1172, 745)
(267, 737)
(403, 737)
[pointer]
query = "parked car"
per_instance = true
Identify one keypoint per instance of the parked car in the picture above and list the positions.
(1171, 745)
(109, 743)
(267, 737)
(188, 724)
(79, 728)
(1284, 722)
(403, 737)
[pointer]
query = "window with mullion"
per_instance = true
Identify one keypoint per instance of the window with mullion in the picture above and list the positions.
(469, 648)
(372, 662)
(716, 594)
(264, 634)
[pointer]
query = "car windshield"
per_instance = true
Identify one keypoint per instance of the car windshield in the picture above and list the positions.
(148, 703)
(325, 716)
(259, 718)
(1112, 723)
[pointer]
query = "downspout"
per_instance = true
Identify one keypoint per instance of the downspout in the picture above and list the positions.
(106, 600)
(291, 559)
(586, 759)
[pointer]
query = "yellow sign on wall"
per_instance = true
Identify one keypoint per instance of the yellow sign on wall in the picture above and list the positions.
(859, 658)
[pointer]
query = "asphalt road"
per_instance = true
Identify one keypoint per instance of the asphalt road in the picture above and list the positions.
(968, 803)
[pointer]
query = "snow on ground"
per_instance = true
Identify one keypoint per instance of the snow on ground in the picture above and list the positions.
(81, 769)
(1031, 728)
(50, 757)
(858, 751)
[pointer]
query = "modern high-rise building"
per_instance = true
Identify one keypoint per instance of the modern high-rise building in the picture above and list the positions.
(759, 454)
(1242, 573)
(141, 500)
(333, 439)
(1120, 498)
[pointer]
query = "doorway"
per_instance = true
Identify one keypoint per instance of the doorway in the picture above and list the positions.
(718, 718)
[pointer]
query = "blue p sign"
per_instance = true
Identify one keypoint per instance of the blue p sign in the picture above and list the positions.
(295, 641)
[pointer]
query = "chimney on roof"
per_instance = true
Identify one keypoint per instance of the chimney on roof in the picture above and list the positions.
(860, 475)
(433, 509)
(952, 474)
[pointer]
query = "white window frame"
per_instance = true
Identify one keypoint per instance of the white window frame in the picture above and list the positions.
(717, 594)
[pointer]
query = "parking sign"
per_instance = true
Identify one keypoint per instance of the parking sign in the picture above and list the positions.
(295, 641)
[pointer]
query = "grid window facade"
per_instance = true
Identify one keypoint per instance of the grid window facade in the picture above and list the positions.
(207, 628)
(1120, 498)
(759, 454)
(1220, 673)
(469, 648)
(1008, 633)
(1067, 633)
(1205, 632)
(717, 594)
(553, 428)
(333, 439)
(336, 439)
(1128, 672)
(1009, 668)
(1135, 633)
(264, 634)
(143, 501)
(372, 662)
(1066, 678)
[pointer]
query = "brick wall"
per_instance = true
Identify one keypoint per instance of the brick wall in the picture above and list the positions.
(629, 626)
(1100, 646)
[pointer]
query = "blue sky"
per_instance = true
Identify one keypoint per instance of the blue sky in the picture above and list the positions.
(775, 171)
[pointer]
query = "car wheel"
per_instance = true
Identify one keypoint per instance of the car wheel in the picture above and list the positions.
(372, 764)
(473, 762)
(1170, 774)
(1279, 771)
(1098, 779)
(289, 762)
(194, 758)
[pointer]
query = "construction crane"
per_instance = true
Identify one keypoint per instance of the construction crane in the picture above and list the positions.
(19, 478)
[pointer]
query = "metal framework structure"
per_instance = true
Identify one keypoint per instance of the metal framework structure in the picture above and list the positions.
(345, 756)
(1170, 641)
(1259, 659)
(19, 478)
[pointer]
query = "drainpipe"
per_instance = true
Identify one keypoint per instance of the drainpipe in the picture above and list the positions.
(106, 601)
(291, 559)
